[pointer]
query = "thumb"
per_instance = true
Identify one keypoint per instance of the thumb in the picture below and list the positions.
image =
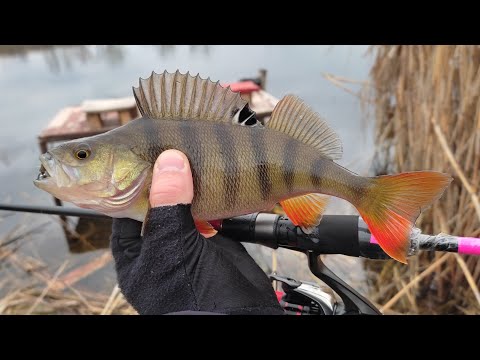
(172, 182)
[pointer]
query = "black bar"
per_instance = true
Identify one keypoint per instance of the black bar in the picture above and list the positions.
(53, 210)
(337, 234)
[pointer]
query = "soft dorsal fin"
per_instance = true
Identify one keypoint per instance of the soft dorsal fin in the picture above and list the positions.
(296, 119)
(182, 96)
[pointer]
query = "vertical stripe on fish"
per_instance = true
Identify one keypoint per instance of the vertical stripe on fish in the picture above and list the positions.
(192, 141)
(289, 156)
(263, 170)
(231, 173)
(315, 173)
(150, 131)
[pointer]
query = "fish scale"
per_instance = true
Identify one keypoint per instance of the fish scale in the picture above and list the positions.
(229, 178)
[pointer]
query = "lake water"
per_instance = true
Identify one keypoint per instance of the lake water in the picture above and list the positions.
(36, 84)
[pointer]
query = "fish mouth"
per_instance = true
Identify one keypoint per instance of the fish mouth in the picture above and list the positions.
(46, 165)
(43, 173)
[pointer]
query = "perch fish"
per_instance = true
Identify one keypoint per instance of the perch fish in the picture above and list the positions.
(236, 169)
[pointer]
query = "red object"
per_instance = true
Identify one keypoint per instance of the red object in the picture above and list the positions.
(279, 295)
(243, 87)
(217, 224)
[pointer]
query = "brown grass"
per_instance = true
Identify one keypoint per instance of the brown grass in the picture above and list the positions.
(426, 102)
(27, 287)
(40, 293)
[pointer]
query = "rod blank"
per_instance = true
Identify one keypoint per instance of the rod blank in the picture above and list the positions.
(53, 210)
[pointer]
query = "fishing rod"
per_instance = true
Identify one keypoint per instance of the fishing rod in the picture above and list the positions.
(272, 230)
(53, 210)
(336, 234)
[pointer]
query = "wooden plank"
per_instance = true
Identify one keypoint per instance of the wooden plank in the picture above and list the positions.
(75, 123)
(103, 105)
(70, 119)
(71, 122)
(62, 116)
(263, 102)
(83, 271)
(74, 135)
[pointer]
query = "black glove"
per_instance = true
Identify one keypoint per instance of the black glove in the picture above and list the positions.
(175, 269)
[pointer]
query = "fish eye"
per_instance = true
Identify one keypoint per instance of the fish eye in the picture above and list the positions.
(82, 154)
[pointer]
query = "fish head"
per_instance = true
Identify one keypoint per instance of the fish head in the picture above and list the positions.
(94, 173)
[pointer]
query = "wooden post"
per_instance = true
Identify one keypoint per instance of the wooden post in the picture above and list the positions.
(94, 120)
(134, 113)
(124, 116)
(262, 75)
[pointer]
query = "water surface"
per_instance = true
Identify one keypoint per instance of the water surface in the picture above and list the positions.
(36, 83)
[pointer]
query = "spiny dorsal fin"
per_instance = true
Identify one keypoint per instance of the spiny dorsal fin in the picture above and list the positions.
(295, 118)
(182, 96)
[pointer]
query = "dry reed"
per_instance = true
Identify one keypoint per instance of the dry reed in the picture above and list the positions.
(39, 295)
(426, 102)
(27, 287)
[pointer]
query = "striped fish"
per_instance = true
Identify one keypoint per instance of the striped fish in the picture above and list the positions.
(236, 169)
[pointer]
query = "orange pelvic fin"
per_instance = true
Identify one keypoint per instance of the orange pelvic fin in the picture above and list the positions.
(306, 210)
(205, 228)
(393, 203)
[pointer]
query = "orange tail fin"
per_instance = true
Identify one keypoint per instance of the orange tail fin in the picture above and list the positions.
(392, 203)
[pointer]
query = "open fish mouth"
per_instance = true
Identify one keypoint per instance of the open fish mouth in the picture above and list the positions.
(53, 174)
(43, 173)
(46, 168)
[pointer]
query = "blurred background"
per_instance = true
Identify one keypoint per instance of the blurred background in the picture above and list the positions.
(380, 100)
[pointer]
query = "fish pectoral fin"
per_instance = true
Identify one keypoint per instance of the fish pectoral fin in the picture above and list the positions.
(306, 210)
(205, 228)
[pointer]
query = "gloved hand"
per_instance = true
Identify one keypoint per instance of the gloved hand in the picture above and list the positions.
(174, 268)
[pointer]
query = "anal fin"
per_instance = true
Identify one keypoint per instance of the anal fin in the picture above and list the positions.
(306, 210)
(205, 228)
